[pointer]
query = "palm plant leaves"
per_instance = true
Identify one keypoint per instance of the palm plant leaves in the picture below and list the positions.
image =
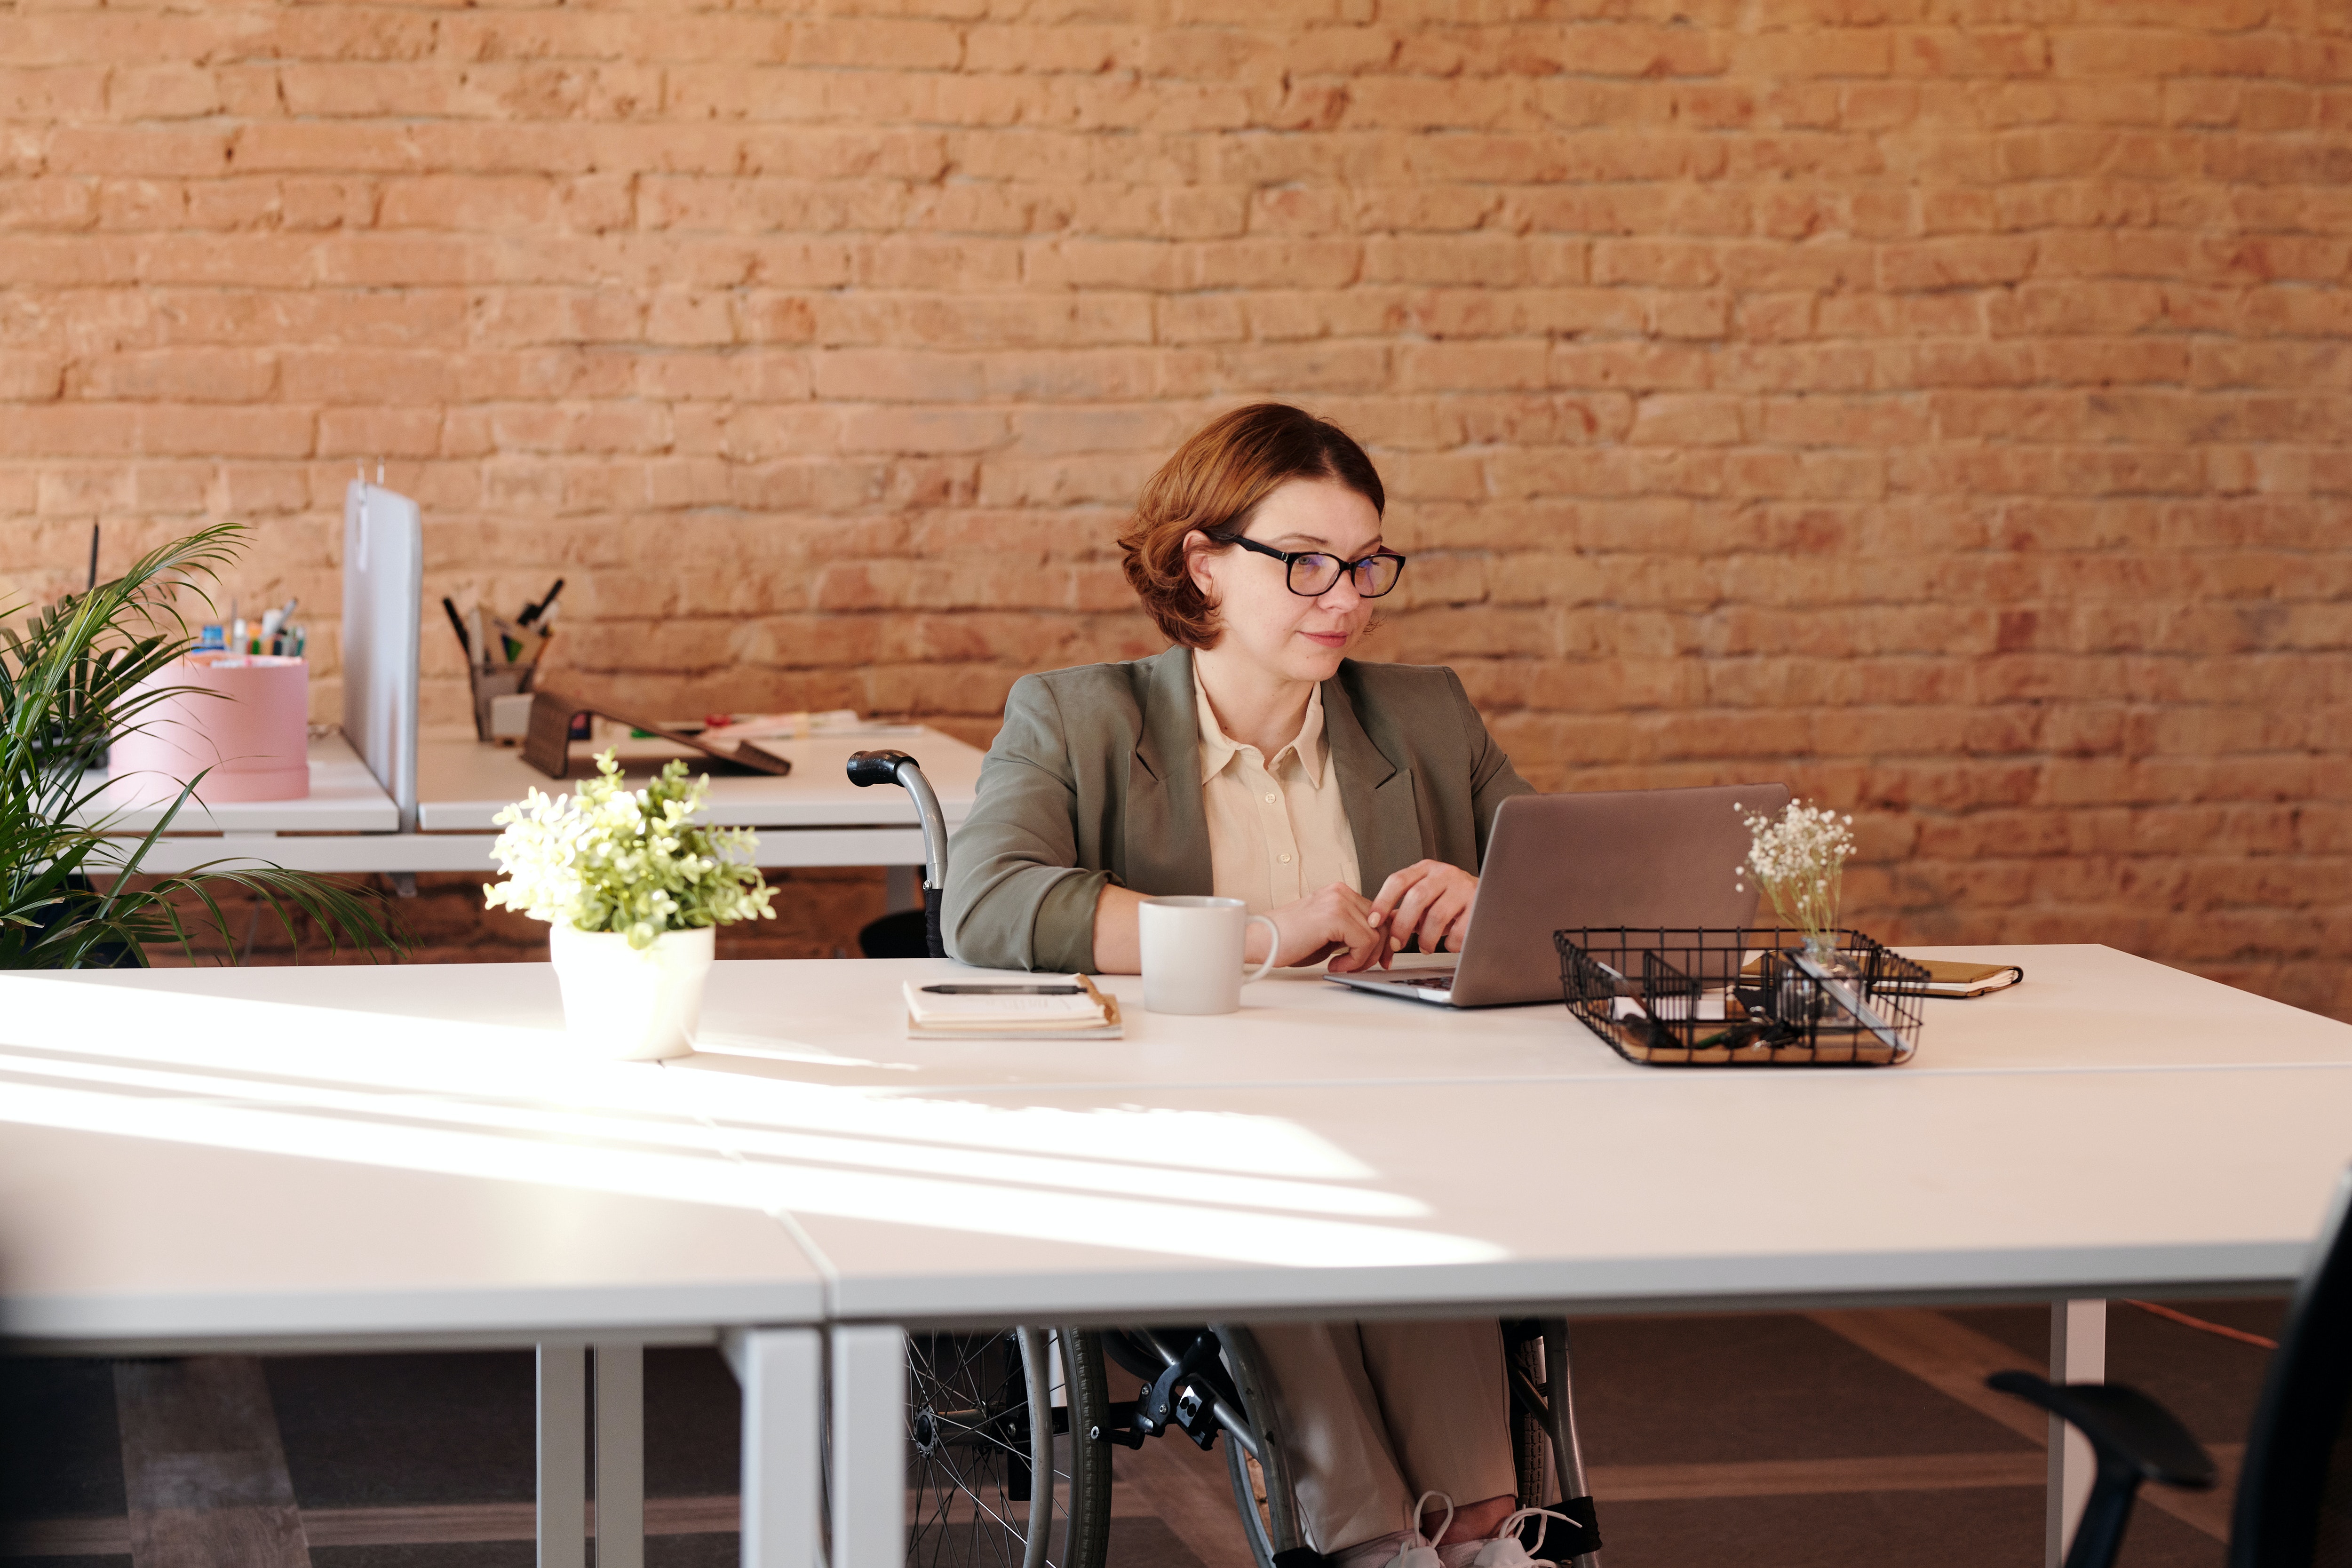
(71, 680)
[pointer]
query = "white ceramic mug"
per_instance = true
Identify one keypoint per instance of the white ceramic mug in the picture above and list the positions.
(1193, 953)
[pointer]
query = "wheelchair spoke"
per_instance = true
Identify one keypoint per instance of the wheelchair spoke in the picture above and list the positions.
(968, 1421)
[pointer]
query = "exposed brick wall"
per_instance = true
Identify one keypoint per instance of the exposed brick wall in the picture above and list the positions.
(1936, 402)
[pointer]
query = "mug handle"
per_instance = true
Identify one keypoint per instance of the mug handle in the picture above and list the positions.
(1273, 950)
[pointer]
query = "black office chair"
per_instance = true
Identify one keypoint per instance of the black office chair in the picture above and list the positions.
(2294, 1496)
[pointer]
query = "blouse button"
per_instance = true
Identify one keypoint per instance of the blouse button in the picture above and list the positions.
(1286, 860)
(1270, 798)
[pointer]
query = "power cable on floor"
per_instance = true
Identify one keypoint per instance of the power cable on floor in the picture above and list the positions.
(2185, 1321)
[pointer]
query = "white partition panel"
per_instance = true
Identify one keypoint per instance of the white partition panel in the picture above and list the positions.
(384, 599)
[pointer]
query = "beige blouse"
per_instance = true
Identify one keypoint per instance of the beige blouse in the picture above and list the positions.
(1277, 830)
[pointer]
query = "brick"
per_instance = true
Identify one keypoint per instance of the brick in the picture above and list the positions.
(2009, 336)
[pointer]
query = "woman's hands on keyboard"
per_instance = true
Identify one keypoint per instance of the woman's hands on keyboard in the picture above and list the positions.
(1332, 925)
(1429, 899)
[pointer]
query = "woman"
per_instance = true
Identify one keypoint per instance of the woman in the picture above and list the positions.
(1255, 759)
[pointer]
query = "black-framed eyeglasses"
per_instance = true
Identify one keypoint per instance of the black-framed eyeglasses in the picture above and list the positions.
(1314, 573)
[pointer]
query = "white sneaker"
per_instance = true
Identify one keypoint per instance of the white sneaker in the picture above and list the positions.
(1507, 1550)
(1420, 1550)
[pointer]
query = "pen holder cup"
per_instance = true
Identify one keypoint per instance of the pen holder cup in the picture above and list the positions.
(240, 721)
(510, 680)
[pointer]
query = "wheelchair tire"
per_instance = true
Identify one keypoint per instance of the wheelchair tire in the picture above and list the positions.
(988, 1487)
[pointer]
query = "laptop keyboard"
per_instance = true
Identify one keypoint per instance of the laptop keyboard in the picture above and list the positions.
(1432, 980)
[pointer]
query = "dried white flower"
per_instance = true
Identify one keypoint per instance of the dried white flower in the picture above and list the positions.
(608, 859)
(1800, 862)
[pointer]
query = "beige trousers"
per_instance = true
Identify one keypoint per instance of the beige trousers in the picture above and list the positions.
(1373, 1415)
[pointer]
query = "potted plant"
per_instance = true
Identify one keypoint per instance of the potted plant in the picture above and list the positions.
(72, 677)
(632, 891)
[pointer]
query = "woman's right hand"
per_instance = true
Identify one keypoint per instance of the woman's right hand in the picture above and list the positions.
(1335, 925)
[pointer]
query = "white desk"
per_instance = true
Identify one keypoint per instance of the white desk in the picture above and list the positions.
(2111, 1127)
(812, 816)
(263, 1160)
(461, 785)
(345, 798)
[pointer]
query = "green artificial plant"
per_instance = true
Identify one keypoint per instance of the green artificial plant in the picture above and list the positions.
(633, 862)
(72, 895)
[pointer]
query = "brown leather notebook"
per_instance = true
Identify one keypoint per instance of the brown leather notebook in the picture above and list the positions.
(548, 745)
(1950, 977)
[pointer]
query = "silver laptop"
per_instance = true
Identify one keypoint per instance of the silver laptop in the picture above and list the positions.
(1659, 858)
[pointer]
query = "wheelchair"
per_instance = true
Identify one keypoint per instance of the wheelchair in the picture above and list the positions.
(1008, 1440)
(1010, 1433)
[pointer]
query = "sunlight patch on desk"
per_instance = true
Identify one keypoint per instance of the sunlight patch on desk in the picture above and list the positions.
(243, 1037)
(710, 1043)
(1210, 1213)
(1156, 1136)
(655, 1130)
(1167, 1227)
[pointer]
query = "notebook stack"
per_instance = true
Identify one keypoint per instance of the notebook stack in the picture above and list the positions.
(1049, 1007)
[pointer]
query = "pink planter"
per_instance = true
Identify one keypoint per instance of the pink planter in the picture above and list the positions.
(246, 721)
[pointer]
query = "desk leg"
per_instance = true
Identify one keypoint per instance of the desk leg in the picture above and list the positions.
(620, 1455)
(563, 1457)
(782, 1371)
(869, 1448)
(2078, 1353)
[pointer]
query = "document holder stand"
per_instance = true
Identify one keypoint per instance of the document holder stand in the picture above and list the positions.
(548, 745)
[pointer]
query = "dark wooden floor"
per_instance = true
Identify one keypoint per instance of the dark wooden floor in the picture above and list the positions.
(1807, 1441)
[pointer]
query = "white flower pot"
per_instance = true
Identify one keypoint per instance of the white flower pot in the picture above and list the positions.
(628, 1005)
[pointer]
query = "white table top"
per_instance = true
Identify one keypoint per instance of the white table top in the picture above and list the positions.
(461, 785)
(345, 798)
(192, 1162)
(1728, 1190)
(2109, 1127)
(840, 1022)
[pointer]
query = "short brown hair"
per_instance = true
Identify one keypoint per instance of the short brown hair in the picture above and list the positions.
(1212, 484)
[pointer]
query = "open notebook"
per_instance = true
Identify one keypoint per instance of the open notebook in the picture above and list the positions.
(1049, 1007)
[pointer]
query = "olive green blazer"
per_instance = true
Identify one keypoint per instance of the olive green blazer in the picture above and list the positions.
(1095, 778)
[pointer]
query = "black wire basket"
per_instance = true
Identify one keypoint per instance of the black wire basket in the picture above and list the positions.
(1740, 998)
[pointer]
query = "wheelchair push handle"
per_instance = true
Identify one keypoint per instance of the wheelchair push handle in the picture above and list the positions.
(867, 768)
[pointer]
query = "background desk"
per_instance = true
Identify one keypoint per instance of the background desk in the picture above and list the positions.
(812, 816)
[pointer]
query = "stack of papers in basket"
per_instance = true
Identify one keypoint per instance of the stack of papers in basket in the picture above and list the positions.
(1049, 1007)
(1946, 977)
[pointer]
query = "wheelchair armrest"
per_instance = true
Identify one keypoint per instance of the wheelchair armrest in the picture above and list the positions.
(2128, 1430)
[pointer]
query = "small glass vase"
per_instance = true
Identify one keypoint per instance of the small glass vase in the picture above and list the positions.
(1801, 998)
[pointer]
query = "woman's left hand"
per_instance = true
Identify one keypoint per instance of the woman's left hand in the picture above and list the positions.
(1429, 899)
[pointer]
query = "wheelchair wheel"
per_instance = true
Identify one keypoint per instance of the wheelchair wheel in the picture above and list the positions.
(1261, 1490)
(1249, 1501)
(1530, 1437)
(1003, 1469)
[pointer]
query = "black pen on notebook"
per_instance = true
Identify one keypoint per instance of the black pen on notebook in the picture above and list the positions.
(1004, 990)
